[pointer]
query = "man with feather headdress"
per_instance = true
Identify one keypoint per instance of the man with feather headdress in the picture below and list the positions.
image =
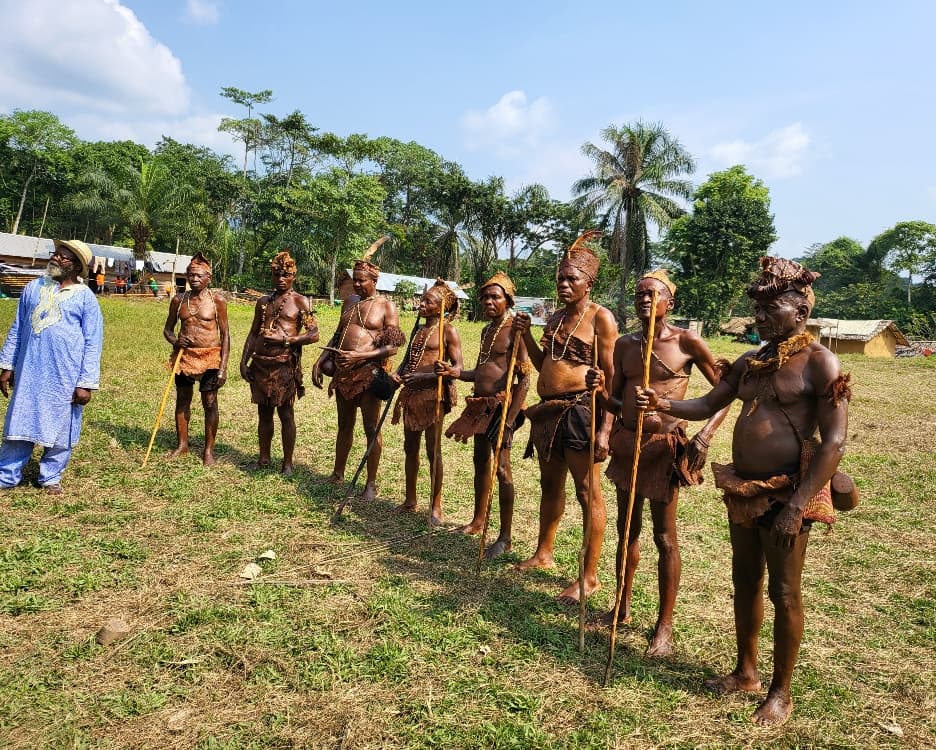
(368, 335)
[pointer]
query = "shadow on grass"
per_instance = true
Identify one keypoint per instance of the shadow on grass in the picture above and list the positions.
(501, 596)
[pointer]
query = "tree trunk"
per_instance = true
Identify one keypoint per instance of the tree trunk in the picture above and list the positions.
(19, 213)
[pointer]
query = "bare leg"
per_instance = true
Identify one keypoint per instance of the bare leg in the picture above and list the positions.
(370, 415)
(585, 472)
(784, 571)
(436, 472)
(183, 413)
(552, 506)
(633, 552)
(505, 499)
(482, 483)
(264, 433)
(411, 440)
(287, 417)
(747, 575)
(347, 414)
(212, 418)
(669, 569)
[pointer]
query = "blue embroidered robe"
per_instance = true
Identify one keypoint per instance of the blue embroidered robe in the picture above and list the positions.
(51, 352)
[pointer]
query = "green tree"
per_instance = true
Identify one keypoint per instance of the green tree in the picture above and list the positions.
(34, 149)
(841, 262)
(716, 248)
(634, 183)
(908, 246)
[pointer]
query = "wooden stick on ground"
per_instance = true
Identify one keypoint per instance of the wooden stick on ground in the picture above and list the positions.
(508, 392)
(625, 537)
(162, 405)
(586, 520)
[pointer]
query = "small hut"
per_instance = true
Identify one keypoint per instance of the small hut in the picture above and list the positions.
(873, 338)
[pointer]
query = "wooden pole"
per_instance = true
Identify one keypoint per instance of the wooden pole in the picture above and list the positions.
(508, 393)
(41, 228)
(162, 405)
(586, 520)
(625, 537)
(434, 468)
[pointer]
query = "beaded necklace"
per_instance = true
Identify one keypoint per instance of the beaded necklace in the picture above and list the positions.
(565, 348)
(419, 347)
(361, 319)
(188, 304)
(276, 311)
(484, 356)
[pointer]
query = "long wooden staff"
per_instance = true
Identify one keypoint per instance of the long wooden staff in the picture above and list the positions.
(371, 443)
(434, 469)
(586, 525)
(162, 405)
(508, 393)
(625, 538)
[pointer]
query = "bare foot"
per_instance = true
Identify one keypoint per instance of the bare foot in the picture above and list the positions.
(404, 508)
(179, 451)
(475, 527)
(661, 644)
(500, 547)
(334, 478)
(435, 519)
(775, 709)
(624, 618)
(733, 683)
(287, 470)
(208, 458)
(370, 492)
(570, 595)
(537, 561)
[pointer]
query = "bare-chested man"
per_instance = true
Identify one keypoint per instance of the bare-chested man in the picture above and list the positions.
(668, 459)
(792, 389)
(416, 403)
(482, 416)
(272, 358)
(206, 343)
(560, 424)
(368, 335)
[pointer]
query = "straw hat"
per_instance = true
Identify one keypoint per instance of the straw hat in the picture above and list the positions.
(81, 251)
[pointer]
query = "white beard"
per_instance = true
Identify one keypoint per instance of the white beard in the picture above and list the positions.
(56, 271)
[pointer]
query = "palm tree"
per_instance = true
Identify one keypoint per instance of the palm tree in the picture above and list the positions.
(150, 200)
(634, 181)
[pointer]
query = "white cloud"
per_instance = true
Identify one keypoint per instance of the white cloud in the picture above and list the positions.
(91, 55)
(202, 11)
(200, 129)
(779, 154)
(510, 126)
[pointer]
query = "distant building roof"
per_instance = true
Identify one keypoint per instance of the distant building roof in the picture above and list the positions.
(41, 248)
(736, 326)
(163, 262)
(387, 282)
(856, 330)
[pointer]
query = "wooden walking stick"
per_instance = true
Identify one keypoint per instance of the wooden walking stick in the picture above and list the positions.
(586, 525)
(162, 405)
(434, 468)
(625, 538)
(508, 393)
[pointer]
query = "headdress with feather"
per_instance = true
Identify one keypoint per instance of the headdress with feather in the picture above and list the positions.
(364, 264)
(582, 257)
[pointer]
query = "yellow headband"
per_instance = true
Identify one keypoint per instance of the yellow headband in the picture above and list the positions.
(663, 277)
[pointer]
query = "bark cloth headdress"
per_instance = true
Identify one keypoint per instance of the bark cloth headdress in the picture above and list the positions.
(284, 263)
(779, 275)
(581, 257)
(502, 280)
(663, 277)
(449, 300)
(199, 261)
(364, 263)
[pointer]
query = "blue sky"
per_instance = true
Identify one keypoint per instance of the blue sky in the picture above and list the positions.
(832, 105)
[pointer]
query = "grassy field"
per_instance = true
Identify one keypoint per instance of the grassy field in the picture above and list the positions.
(405, 646)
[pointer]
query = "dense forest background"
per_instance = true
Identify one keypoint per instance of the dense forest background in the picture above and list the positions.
(327, 197)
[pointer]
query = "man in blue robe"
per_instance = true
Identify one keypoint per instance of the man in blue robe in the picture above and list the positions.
(51, 362)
